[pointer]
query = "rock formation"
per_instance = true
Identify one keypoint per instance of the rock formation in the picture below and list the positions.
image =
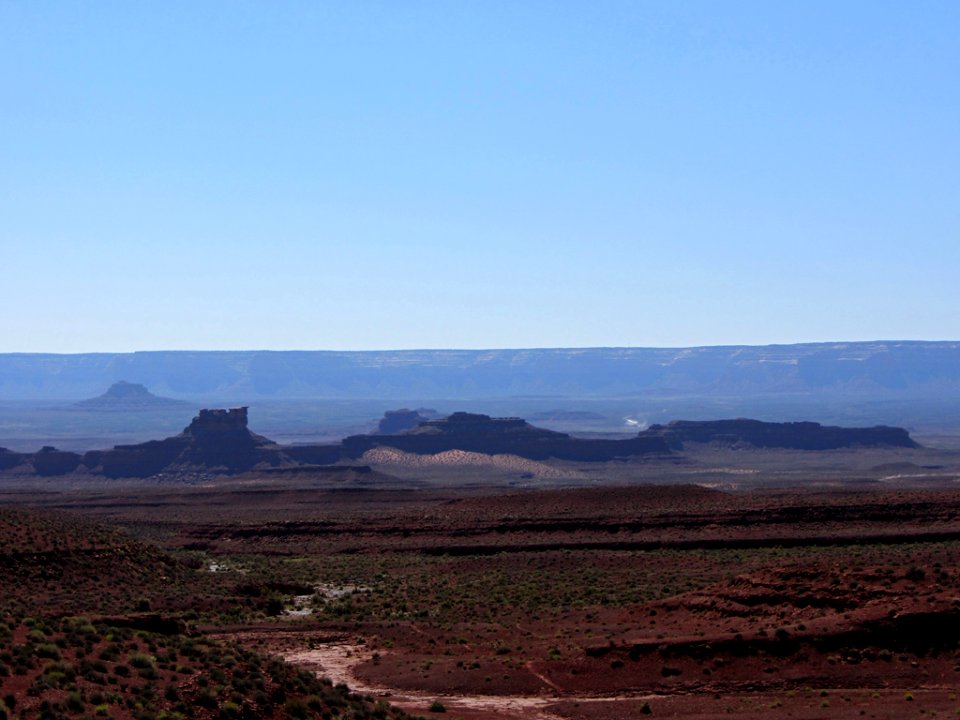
(219, 441)
(792, 435)
(216, 440)
(128, 396)
(495, 436)
(10, 459)
(50, 461)
(398, 421)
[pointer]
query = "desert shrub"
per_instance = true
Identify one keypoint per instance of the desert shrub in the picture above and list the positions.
(140, 661)
(48, 651)
(75, 702)
(437, 707)
(205, 698)
(229, 711)
(63, 670)
(296, 709)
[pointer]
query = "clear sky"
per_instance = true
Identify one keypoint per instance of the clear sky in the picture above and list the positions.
(404, 174)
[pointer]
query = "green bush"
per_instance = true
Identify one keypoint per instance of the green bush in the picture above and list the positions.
(296, 709)
(48, 650)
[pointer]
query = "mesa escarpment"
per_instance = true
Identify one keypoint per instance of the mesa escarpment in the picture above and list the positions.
(501, 436)
(791, 435)
(219, 441)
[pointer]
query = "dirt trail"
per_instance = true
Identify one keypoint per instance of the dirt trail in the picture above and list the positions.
(336, 661)
(542, 678)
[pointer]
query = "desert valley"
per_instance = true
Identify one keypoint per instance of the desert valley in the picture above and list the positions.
(469, 566)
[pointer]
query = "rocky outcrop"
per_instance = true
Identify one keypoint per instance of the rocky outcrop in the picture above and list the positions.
(219, 441)
(216, 440)
(398, 421)
(792, 435)
(128, 396)
(50, 461)
(10, 459)
(500, 436)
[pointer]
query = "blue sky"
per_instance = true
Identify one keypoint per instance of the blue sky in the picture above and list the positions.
(363, 175)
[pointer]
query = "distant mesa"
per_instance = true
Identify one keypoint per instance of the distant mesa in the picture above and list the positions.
(50, 461)
(398, 421)
(219, 441)
(500, 436)
(788, 435)
(833, 373)
(128, 396)
(46, 462)
(10, 459)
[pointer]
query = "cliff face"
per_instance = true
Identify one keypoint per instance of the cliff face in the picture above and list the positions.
(791, 435)
(494, 436)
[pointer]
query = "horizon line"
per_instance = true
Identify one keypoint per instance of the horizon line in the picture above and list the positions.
(485, 349)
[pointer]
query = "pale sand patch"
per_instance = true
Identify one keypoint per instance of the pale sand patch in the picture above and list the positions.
(336, 661)
(462, 458)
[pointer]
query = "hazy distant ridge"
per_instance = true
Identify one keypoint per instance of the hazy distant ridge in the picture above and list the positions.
(918, 369)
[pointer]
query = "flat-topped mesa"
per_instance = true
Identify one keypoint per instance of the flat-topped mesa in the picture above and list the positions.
(50, 461)
(124, 390)
(397, 421)
(127, 396)
(464, 423)
(790, 435)
(500, 436)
